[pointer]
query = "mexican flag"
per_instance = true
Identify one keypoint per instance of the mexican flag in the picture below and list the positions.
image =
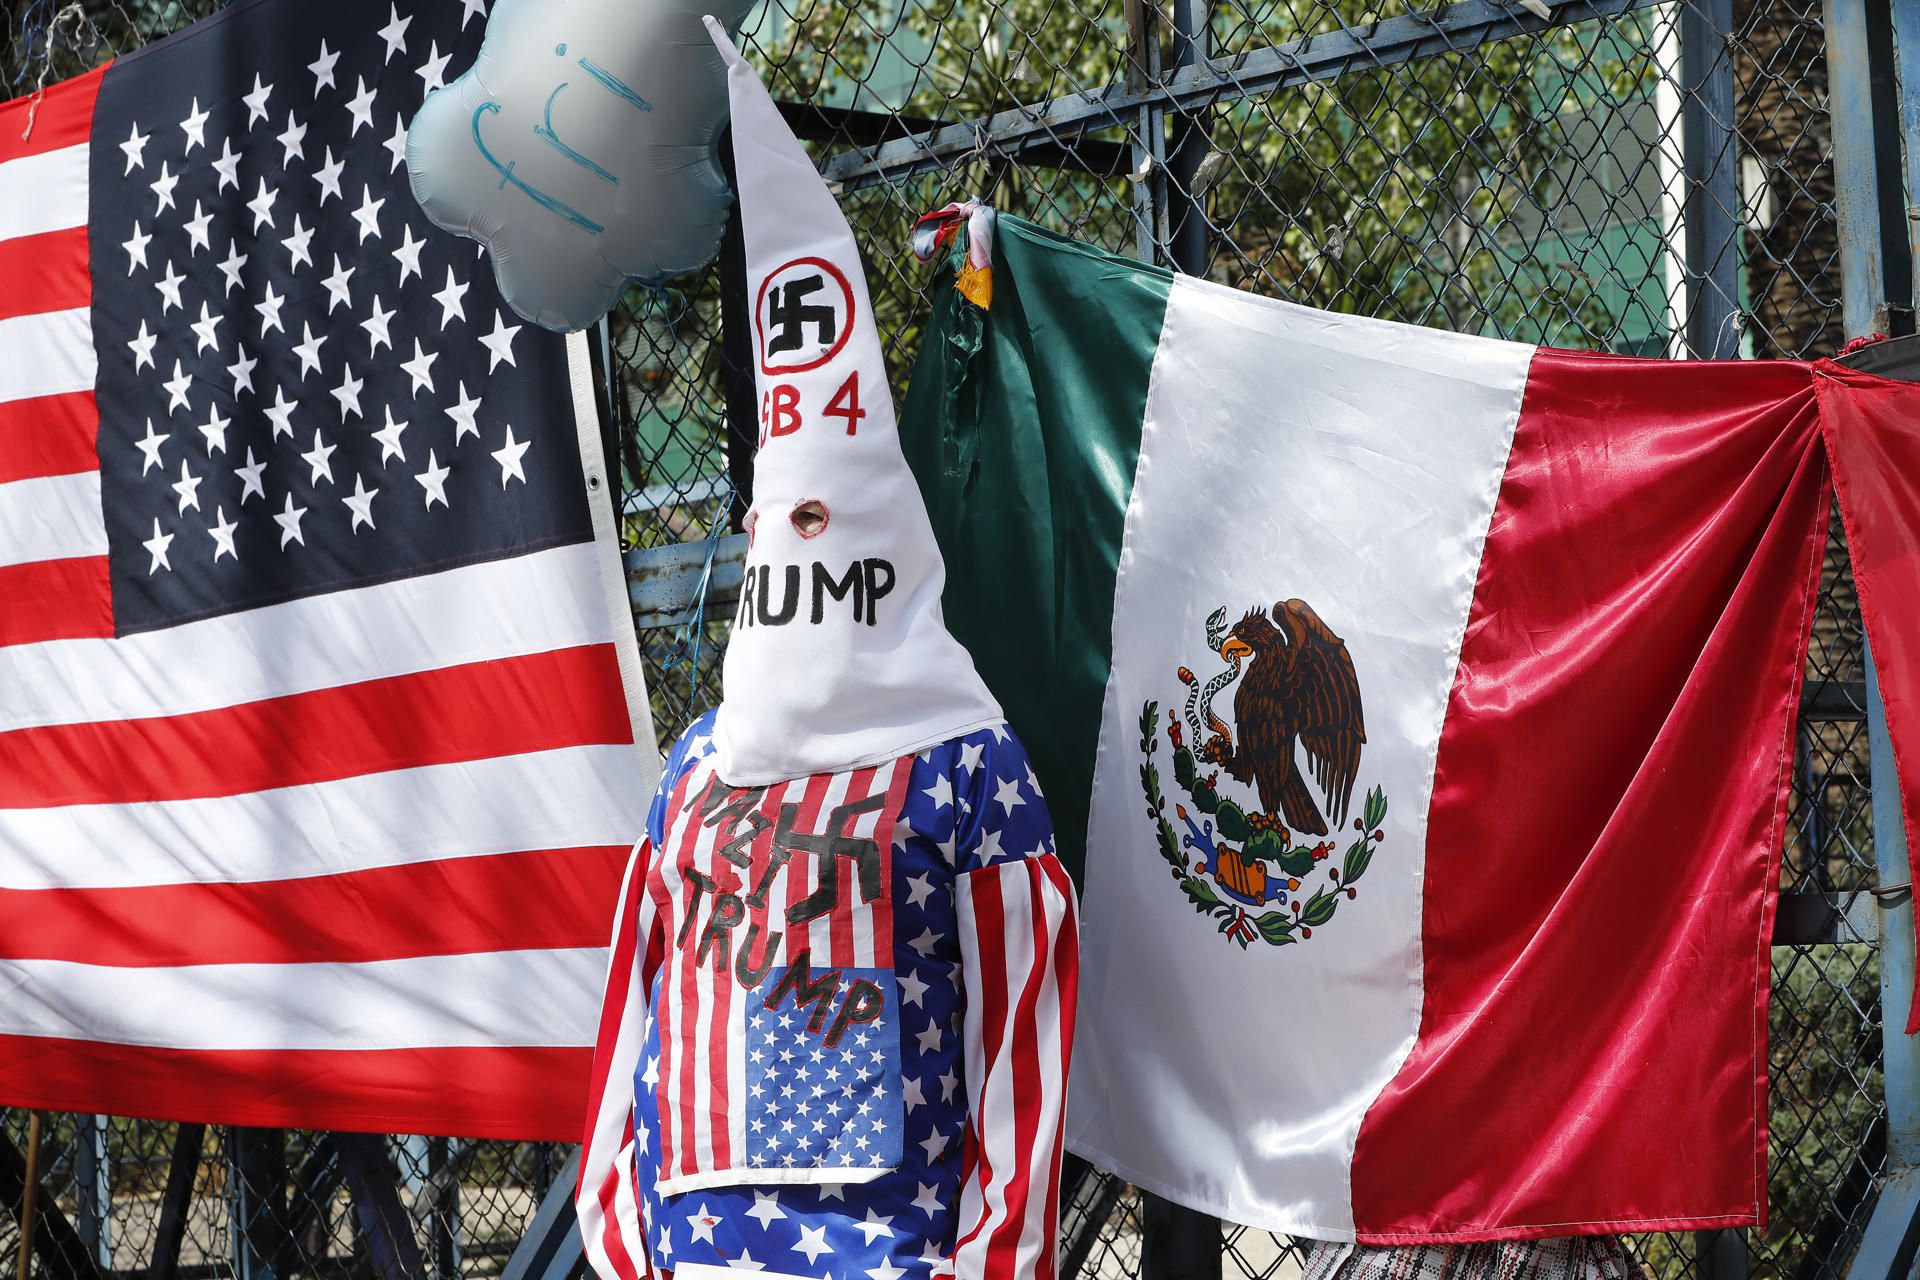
(1421, 706)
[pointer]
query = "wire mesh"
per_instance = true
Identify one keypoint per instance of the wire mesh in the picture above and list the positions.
(1648, 178)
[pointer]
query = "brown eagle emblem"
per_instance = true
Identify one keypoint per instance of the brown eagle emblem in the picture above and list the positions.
(1261, 870)
(1298, 686)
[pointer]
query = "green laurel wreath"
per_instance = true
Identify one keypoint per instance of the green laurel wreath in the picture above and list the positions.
(1260, 840)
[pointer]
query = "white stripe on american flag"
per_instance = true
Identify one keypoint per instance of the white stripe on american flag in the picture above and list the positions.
(673, 1085)
(51, 518)
(542, 799)
(44, 192)
(545, 997)
(1018, 937)
(47, 354)
(708, 1020)
(496, 609)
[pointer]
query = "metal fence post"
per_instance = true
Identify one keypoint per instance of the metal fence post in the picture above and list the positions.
(1856, 194)
(1906, 32)
(736, 357)
(1888, 1247)
(94, 1188)
(1712, 208)
(1720, 1255)
(1186, 215)
(1177, 1243)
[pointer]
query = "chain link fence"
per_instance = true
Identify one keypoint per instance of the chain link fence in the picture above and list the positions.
(1625, 175)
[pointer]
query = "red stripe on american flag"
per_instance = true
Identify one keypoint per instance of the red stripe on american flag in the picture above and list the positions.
(676, 1121)
(1066, 973)
(475, 711)
(608, 1196)
(60, 117)
(55, 600)
(451, 1091)
(840, 948)
(47, 435)
(47, 272)
(533, 900)
(883, 833)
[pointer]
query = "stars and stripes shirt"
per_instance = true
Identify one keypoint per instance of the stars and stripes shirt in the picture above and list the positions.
(837, 1027)
(316, 755)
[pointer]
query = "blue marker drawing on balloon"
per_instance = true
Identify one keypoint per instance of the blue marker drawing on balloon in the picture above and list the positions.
(615, 85)
(506, 173)
(552, 139)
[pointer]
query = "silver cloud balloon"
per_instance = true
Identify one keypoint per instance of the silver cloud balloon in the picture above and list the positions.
(581, 149)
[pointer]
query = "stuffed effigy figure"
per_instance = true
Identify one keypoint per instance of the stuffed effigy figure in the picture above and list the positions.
(840, 1004)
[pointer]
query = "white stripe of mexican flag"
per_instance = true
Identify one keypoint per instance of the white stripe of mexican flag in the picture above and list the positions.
(1406, 495)
(1424, 700)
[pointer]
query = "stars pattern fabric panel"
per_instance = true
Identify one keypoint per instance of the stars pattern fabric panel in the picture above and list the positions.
(970, 809)
(304, 386)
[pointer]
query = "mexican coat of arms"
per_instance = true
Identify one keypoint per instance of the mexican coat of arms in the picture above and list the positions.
(1254, 847)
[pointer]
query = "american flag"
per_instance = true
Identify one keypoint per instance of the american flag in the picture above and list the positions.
(317, 763)
(944, 1121)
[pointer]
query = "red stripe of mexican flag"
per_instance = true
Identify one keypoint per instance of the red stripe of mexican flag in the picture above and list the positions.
(1427, 703)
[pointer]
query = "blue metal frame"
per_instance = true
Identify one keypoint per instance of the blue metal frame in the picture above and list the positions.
(1888, 1247)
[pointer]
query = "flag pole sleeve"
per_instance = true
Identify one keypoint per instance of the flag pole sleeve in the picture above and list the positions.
(1020, 949)
(606, 1201)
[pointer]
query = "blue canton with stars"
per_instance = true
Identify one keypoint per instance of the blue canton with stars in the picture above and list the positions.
(817, 1101)
(303, 385)
(971, 802)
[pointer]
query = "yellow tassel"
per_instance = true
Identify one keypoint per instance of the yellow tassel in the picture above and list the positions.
(975, 284)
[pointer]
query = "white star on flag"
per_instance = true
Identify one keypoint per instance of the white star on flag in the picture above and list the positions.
(360, 503)
(766, 1208)
(227, 166)
(418, 367)
(149, 446)
(875, 1226)
(142, 347)
(289, 522)
(322, 69)
(389, 438)
(256, 101)
(157, 547)
(222, 532)
(395, 33)
(195, 127)
(408, 254)
(462, 412)
(376, 326)
(508, 456)
(252, 482)
(168, 286)
(813, 1243)
(135, 148)
(449, 299)
(434, 481)
(136, 247)
(499, 343)
(188, 487)
(336, 285)
(163, 188)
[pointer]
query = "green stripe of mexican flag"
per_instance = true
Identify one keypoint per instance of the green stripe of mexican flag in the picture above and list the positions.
(1417, 708)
